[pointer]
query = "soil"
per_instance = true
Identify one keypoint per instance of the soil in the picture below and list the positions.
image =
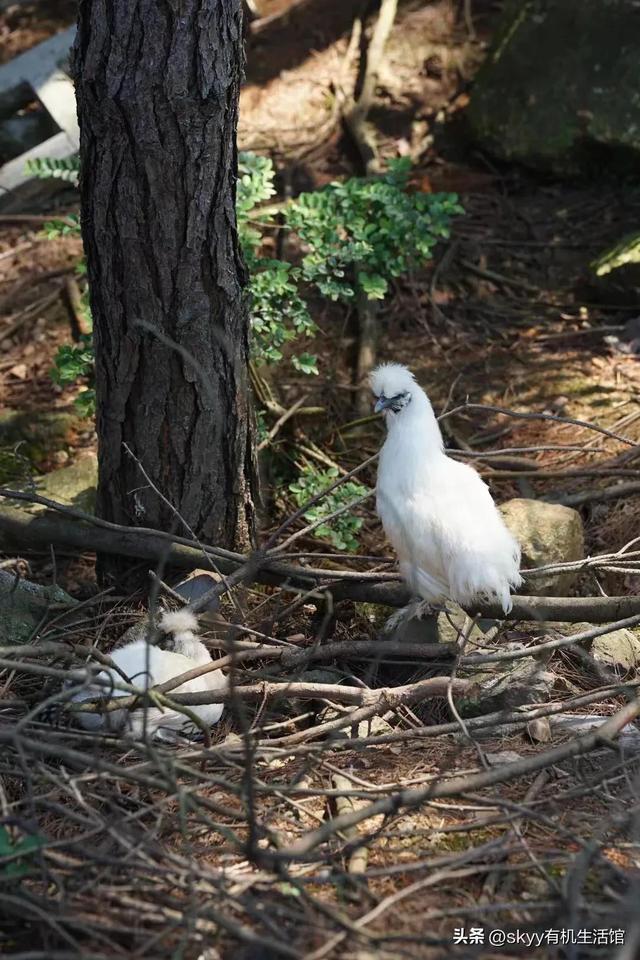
(506, 315)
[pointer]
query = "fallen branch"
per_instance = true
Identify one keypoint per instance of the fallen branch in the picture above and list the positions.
(87, 533)
(280, 423)
(75, 307)
(383, 698)
(556, 418)
(356, 116)
(491, 725)
(264, 23)
(615, 492)
(408, 799)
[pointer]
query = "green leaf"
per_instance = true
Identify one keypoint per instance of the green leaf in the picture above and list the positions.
(341, 532)
(372, 229)
(373, 285)
(63, 169)
(306, 363)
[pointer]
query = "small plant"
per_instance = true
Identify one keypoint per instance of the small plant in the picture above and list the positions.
(62, 228)
(254, 185)
(342, 532)
(20, 851)
(73, 362)
(66, 169)
(362, 233)
(278, 313)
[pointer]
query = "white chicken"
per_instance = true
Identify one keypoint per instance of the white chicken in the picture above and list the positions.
(146, 666)
(451, 541)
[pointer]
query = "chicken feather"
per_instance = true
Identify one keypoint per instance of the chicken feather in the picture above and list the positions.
(438, 514)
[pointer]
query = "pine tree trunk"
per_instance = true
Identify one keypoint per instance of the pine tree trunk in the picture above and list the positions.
(157, 88)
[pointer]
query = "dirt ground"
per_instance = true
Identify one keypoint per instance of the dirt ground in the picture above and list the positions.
(506, 315)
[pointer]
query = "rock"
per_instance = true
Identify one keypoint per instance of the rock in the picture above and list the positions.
(620, 650)
(375, 727)
(196, 585)
(561, 106)
(614, 278)
(417, 628)
(548, 533)
(539, 730)
(320, 675)
(451, 624)
(74, 485)
(23, 605)
(502, 757)
(40, 435)
(507, 685)
(573, 725)
(629, 340)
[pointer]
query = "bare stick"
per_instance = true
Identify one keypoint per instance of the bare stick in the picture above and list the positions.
(406, 799)
(356, 116)
(386, 698)
(540, 416)
(280, 423)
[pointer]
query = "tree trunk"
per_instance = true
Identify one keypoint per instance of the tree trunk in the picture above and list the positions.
(157, 89)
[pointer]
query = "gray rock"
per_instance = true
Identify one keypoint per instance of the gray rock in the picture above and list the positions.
(572, 724)
(74, 485)
(451, 624)
(40, 436)
(502, 757)
(548, 533)
(558, 105)
(375, 727)
(620, 650)
(539, 730)
(404, 627)
(320, 675)
(507, 685)
(196, 585)
(23, 605)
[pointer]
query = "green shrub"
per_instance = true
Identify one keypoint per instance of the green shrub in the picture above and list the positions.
(342, 532)
(20, 851)
(362, 233)
(74, 362)
(279, 315)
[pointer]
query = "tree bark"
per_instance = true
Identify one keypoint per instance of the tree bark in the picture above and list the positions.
(157, 89)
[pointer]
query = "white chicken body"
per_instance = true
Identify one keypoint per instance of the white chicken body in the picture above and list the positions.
(438, 514)
(147, 666)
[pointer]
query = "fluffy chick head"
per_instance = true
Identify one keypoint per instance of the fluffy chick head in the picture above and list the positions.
(393, 386)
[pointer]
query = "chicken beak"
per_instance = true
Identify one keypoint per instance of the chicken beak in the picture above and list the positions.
(381, 404)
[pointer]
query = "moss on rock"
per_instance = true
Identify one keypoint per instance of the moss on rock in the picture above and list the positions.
(559, 89)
